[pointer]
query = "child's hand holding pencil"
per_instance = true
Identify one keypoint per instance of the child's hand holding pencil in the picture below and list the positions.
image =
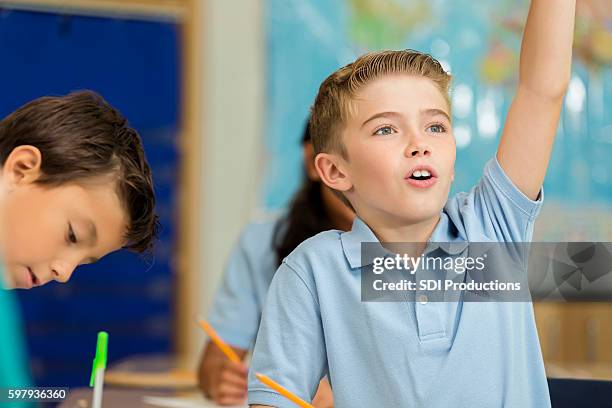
(229, 384)
(224, 379)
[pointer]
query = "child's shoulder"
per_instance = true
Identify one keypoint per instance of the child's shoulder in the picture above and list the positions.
(258, 234)
(324, 246)
(261, 225)
(494, 209)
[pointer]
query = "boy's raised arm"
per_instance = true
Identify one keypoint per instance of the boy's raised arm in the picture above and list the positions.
(545, 67)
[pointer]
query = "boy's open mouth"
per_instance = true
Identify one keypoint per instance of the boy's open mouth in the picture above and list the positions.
(35, 281)
(421, 172)
(421, 175)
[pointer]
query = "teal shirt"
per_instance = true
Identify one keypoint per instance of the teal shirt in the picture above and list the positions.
(13, 362)
(402, 354)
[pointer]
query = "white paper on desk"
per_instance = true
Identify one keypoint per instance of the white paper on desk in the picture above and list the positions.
(183, 402)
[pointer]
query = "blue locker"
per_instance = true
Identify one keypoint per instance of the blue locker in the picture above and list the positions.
(135, 65)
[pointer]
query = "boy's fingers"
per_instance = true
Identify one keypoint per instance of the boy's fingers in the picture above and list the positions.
(231, 400)
(231, 390)
(230, 395)
(226, 394)
(237, 368)
(229, 377)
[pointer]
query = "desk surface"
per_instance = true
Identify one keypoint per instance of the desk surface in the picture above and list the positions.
(118, 396)
(112, 398)
(137, 398)
(579, 371)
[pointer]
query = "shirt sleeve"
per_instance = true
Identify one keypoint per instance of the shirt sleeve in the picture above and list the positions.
(235, 311)
(290, 346)
(13, 359)
(507, 213)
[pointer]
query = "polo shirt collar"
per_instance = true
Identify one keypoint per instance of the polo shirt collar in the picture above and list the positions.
(360, 232)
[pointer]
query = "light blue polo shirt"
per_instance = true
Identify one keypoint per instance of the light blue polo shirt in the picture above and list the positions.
(402, 354)
(238, 302)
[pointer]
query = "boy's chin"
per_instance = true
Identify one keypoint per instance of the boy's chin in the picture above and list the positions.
(7, 283)
(415, 216)
(16, 279)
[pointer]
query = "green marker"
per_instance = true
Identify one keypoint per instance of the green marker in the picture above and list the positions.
(97, 372)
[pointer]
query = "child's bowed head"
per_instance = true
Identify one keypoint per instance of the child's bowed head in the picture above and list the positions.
(74, 186)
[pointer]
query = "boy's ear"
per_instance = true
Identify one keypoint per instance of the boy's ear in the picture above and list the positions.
(22, 166)
(332, 172)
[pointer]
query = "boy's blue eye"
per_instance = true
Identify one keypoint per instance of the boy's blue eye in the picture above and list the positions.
(437, 129)
(71, 235)
(385, 130)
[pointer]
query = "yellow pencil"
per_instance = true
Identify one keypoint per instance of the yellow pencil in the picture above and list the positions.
(227, 350)
(283, 391)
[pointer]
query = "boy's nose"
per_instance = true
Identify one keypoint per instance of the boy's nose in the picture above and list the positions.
(416, 144)
(62, 273)
(418, 150)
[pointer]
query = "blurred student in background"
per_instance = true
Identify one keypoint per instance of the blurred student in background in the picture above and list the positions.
(237, 306)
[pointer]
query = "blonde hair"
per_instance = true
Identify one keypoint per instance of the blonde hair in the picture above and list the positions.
(334, 102)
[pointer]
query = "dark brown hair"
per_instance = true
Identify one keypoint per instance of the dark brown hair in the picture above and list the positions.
(306, 217)
(80, 136)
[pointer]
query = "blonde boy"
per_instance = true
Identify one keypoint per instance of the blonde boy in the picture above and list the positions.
(381, 127)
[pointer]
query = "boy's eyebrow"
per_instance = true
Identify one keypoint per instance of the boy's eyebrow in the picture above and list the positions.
(380, 115)
(431, 112)
(93, 232)
(93, 237)
(434, 112)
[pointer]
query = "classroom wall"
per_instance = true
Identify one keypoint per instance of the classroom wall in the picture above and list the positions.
(50, 52)
(481, 49)
(222, 99)
(232, 124)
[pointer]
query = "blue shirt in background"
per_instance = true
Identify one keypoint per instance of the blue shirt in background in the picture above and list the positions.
(402, 354)
(238, 303)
